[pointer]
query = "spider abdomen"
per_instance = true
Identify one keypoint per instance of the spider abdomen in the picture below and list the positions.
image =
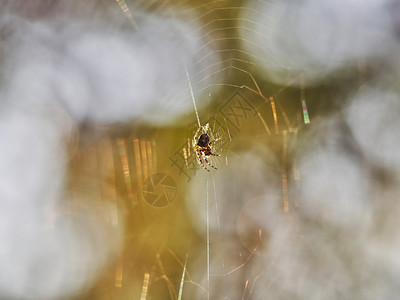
(204, 140)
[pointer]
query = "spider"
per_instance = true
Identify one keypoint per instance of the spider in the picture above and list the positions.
(203, 149)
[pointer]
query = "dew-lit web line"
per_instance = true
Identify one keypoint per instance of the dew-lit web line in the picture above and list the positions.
(218, 224)
(118, 274)
(170, 285)
(305, 112)
(264, 123)
(191, 93)
(125, 166)
(145, 286)
(248, 258)
(274, 114)
(258, 91)
(124, 7)
(277, 253)
(245, 289)
(222, 19)
(189, 279)
(214, 22)
(270, 100)
(182, 279)
(254, 284)
(303, 100)
(211, 23)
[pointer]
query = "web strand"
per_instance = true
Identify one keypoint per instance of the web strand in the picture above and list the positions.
(125, 9)
(191, 93)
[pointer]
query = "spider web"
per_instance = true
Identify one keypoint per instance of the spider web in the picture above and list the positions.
(212, 241)
(257, 227)
(242, 102)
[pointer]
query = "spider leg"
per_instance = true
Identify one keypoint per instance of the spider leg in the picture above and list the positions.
(201, 162)
(213, 154)
(213, 141)
(211, 165)
(195, 137)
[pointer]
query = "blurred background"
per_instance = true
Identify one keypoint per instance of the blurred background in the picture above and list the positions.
(101, 194)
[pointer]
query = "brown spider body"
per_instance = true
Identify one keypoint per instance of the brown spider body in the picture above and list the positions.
(203, 150)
